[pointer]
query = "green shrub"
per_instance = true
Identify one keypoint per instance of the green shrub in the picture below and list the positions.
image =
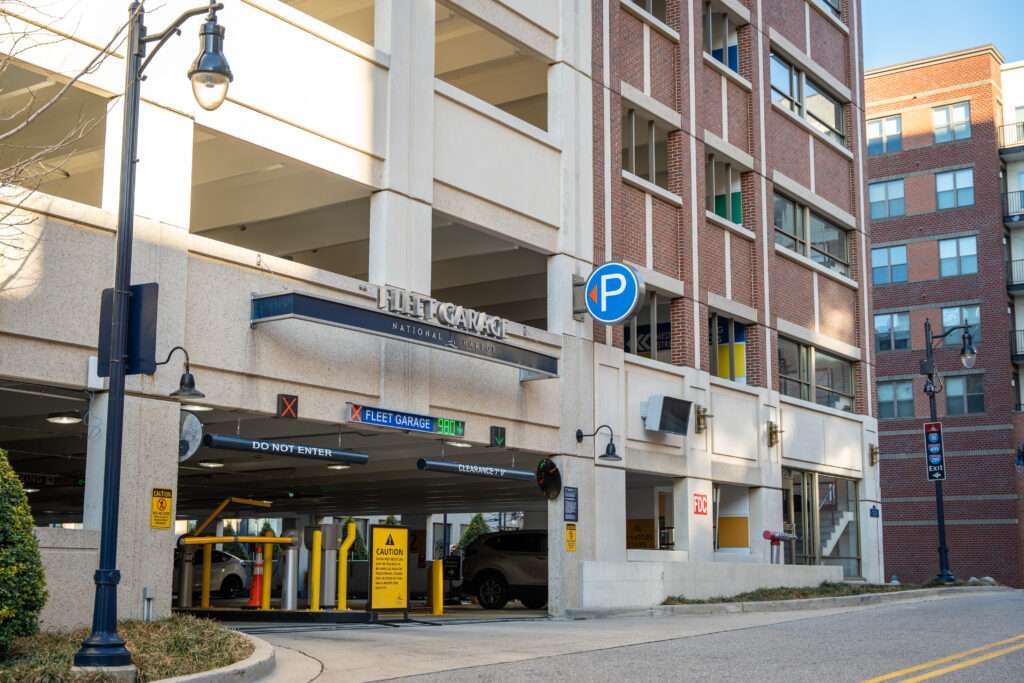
(477, 525)
(22, 586)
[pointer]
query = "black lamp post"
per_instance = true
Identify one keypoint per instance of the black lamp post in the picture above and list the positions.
(210, 77)
(968, 356)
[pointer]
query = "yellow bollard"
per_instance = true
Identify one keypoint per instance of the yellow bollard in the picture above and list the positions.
(268, 571)
(346, 545)
(204, 600)
(437, 588)
(314, 571)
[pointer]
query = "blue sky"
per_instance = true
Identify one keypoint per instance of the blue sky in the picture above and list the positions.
(901, 30)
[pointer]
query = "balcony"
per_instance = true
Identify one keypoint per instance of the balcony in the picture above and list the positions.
(1013, 209)
(1017, 345)
(1015, 276)
(1011, 141)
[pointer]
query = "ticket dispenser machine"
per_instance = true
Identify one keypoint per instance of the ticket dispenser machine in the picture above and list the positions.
(333, 535)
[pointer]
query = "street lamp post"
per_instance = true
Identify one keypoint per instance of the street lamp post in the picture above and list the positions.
(210, 77)
(968, 356)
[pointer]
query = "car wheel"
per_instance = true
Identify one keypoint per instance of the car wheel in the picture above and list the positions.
(534, 601)
(492, 591)
(231, 587)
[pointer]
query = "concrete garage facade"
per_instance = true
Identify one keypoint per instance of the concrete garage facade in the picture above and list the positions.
(468, 152)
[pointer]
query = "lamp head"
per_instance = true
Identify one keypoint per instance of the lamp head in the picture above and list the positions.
(610, 454)
(968, 354)
(187, 387)
(210, 73)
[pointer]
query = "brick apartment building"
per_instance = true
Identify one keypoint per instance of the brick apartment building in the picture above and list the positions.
(747, 214)
(940, 161)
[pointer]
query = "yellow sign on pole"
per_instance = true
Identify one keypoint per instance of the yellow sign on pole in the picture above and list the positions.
(160, 511)
(570, 538)
(389, 568)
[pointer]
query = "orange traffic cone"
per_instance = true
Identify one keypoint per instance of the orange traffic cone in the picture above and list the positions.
(256, 587)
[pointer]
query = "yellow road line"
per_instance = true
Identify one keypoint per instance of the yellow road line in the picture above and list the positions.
(964, 664)
(942, 660)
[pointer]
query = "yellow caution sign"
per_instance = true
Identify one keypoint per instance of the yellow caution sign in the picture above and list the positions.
(160, 510)
(570, 538)
(389, 568)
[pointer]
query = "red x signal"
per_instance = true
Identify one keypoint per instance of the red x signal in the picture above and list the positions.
(287, 406)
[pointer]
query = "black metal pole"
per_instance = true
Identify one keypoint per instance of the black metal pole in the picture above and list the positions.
(104, 647)
(944, 575)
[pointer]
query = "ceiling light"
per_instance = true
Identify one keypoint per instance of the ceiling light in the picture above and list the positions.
(458, 444)
(31, 490)
(67, 417)
(195, 408)
(211, 464)
(338, 467)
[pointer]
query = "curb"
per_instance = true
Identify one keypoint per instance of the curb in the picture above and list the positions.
(253, 668)
(781, 605)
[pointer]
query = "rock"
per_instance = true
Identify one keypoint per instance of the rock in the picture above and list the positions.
(974, 581)
(988, 581)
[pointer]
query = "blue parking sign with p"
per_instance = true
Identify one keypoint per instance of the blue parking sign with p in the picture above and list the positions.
(614, 292)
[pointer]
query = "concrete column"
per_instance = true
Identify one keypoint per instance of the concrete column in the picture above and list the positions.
(565, 569)
(163, 185)
(870, 528)
(562, 268)
(149, 460)
(765, 513)
(401, 214)
(694, 533)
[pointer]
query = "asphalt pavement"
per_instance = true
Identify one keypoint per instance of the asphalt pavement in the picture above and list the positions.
(973, 637)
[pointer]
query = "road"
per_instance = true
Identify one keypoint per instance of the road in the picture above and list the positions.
(976, 637)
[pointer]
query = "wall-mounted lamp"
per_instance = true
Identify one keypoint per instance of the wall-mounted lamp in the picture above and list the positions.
(609, 451)
(873, 453)
(187, 384)
(701, 420)
(773, 433)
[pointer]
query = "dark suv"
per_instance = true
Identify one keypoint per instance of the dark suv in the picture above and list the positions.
(507, 565)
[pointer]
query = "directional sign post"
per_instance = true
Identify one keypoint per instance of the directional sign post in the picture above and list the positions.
(614, 292)
(934, 457)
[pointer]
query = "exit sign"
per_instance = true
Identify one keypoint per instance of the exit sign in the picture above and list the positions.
(935, 458)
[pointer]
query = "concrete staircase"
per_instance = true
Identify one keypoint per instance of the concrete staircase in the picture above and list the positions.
(832, 532)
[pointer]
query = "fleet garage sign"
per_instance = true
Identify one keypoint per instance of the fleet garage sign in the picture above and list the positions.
(409, 422)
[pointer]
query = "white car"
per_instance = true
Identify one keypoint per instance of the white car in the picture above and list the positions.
(228, 576)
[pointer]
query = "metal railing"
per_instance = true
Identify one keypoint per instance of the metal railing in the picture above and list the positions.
(1011, 134)
(1017, 342)
(1013, 203)
(1015, 272)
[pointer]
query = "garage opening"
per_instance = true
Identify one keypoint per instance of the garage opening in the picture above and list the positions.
(491, 531)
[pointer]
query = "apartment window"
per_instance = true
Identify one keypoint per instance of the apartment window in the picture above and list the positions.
(655, 8)
(789, 224)
(794, 90)
(832, 6)
(965, 394)
(721, 37)
(728, 343)
(639, 156)
(886, 199)
(961, 315)
(952, 122)
(954, 188)
(885, 136)
(649, 333)
(895, 399)
(803, 369)
(892, 331)
(828, 244)
(889, 265)
(958, 256)
(724, 190)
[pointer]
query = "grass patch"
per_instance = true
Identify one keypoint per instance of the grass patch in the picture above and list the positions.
(172, 647)
(827, 589)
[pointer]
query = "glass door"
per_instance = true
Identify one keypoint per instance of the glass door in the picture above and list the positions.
(799, 516)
